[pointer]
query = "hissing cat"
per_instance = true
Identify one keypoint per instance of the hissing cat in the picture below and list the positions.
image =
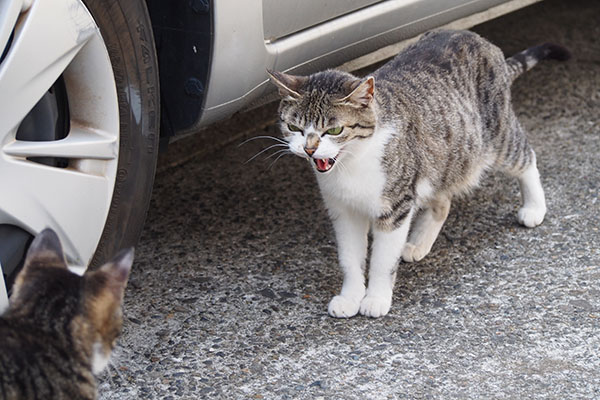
(60, 328)
(390, 151)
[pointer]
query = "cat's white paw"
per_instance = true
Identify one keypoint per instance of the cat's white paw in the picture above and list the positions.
(375, 306)
(412, 253)
(531, 216)
(343, 307)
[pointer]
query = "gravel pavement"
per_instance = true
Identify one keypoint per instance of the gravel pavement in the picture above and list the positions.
(228, 295)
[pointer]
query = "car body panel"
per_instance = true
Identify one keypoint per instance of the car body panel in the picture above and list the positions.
(284, 17)
(299, 39)
(241, 55)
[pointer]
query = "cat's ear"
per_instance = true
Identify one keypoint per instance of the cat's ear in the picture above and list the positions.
(45, 250)
(361, 93)
(118, 270)
(288, 85)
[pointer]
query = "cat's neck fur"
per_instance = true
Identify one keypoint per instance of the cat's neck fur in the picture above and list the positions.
(359, 180)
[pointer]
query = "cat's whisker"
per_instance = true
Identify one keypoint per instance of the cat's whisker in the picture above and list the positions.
(346, 151)
(340, 163)
(106, 376)
(339, 160)
(265, 149)
(113, 364)
(275, 153)
(281, 155)
(118, 372)
(262, 137)
(342, 166)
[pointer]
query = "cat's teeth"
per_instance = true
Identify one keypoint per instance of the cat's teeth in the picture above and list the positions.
(324, 164)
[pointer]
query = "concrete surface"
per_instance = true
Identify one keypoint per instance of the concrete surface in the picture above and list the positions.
(237, 263)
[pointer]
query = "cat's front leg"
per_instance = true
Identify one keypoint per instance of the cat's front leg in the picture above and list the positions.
(386, 251)
(351, 232)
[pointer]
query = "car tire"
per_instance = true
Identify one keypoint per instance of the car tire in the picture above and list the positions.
(127, 32)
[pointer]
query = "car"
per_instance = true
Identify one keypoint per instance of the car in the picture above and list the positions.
(91, 89)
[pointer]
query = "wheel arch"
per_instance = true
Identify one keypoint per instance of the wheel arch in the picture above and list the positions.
(183, 32)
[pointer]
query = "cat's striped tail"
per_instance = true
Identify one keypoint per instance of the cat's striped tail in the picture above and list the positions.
(527, 59)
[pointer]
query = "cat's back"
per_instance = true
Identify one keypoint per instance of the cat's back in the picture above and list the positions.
(444, 58)
(445, 93)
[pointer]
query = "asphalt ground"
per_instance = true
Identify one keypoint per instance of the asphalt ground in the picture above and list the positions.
(228, 295)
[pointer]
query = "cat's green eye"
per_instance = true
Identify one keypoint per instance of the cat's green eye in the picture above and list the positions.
(335, 131)
(294, 128)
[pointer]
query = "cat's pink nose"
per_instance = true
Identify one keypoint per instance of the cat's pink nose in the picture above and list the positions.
(310, 150)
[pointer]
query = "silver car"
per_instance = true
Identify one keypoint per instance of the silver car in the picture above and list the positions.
(90, 89)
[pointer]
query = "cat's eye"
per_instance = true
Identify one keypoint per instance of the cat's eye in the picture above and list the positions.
(294, 128)
(335, 131)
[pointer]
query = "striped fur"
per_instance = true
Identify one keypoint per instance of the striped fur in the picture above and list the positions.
(59, 326)
(442, 111)
(527, 59)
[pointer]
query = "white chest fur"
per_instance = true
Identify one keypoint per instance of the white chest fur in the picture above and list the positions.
(357, 182)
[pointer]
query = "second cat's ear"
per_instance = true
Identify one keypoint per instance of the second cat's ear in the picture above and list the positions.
(361, 94)
(119, 268)
(288, 85)
(45, 250)
(105, 287)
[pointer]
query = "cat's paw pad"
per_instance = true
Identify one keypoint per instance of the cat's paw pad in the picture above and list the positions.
(375, 306)
(413, 253)
(531, 216)
(343, 307)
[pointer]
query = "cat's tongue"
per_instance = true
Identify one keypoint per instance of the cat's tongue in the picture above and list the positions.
(324, 164)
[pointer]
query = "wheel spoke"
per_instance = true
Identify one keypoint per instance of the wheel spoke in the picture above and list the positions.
(82, 142)
(3, 294)
(47, 38)
(9, 12)
(52, 39)
(67, 201)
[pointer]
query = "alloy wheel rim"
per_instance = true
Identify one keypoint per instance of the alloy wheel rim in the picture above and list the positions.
(44, 42)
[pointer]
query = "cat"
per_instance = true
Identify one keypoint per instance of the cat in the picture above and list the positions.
(391, 150)
(60, 328)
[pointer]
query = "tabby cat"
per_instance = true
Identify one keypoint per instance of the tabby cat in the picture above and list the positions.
(390, 151)
(60, 328)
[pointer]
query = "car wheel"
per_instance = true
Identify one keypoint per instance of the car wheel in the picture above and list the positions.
(79, 110)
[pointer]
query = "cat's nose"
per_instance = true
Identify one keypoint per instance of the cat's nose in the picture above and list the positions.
(312, 143)
(310, 150)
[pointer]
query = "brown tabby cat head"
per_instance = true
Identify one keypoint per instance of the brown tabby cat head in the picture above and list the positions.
(83, 310)
(323, 115)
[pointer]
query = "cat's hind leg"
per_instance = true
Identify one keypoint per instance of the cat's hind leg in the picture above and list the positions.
(425, 229)
(520, 162)
(532, 213)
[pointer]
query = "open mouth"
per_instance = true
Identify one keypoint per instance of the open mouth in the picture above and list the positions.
(324, 164)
